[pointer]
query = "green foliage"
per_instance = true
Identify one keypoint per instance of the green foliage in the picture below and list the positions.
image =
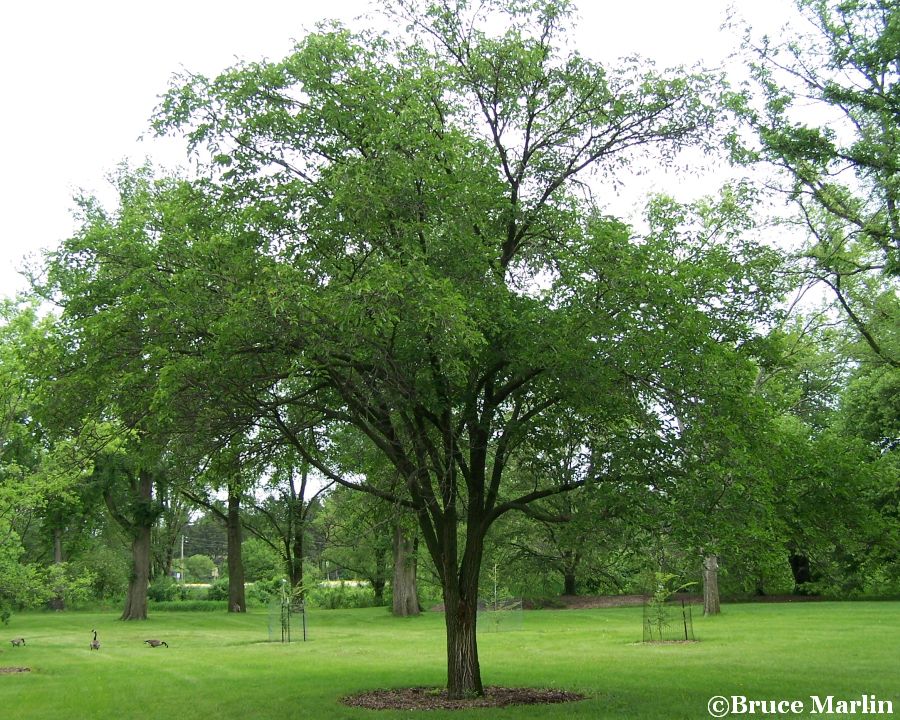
(829, 125)
(357, 529)
(871, 406)
(67, 583)
(665, 586)
(108, 566)
(340, 595)
(659, 613)
(29, 585)
(262, 592)
(163, 589)
(30, 474)
(199, 567)
(190, 605)
(22, 584)
(260, 560)
(218, 590)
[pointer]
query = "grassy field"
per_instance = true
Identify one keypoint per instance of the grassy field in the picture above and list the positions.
(222, 666)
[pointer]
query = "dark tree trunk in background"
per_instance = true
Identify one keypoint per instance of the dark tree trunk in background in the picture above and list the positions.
(298, 508)
(236, 599)
(168, 560)
(296, 561)
(405, 588)
(711, 585)
(378, 590)
(57, 546)
(802, 573)
(379, 580)
(570, 560)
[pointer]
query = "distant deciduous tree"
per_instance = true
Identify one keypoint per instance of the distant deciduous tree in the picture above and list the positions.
(831, 125)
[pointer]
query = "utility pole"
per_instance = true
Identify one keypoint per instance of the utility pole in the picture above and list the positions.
(181, 574)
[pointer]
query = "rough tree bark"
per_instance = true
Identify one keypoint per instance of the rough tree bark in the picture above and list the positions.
(139, 526)
(463, 668)
(461, 618)
(136, 599)
(711, 585)
(405, 588)
(236, 600)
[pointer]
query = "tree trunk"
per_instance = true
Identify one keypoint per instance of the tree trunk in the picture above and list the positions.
(57, 546)
(461, 616)
(405, 588)
(236, 599)
(296, 562)
(136, 600)
(801, 571)
(570, 560)
(378, 590)
(168, 560)
(711, 585)
(378, 579)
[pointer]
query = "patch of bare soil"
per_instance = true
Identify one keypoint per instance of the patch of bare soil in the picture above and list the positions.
(784, 598)
(11, 670)
(667, 642)
(425, 698)
(588, 602)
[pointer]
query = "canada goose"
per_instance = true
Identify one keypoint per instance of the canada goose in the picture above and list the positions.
(156, 643)
(95, 643)
(17, 641)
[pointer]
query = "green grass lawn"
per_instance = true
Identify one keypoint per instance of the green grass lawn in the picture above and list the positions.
(221, 666)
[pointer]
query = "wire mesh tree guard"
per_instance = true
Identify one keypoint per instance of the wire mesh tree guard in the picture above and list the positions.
(499, 613)
(668, 621)
(282, 608)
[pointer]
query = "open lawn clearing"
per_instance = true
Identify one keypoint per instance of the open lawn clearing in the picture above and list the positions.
(220, 666)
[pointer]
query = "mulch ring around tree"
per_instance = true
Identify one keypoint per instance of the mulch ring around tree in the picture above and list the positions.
(11, 670)
(429, 698)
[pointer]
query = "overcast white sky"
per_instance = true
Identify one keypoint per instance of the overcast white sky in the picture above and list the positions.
(81, 78)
